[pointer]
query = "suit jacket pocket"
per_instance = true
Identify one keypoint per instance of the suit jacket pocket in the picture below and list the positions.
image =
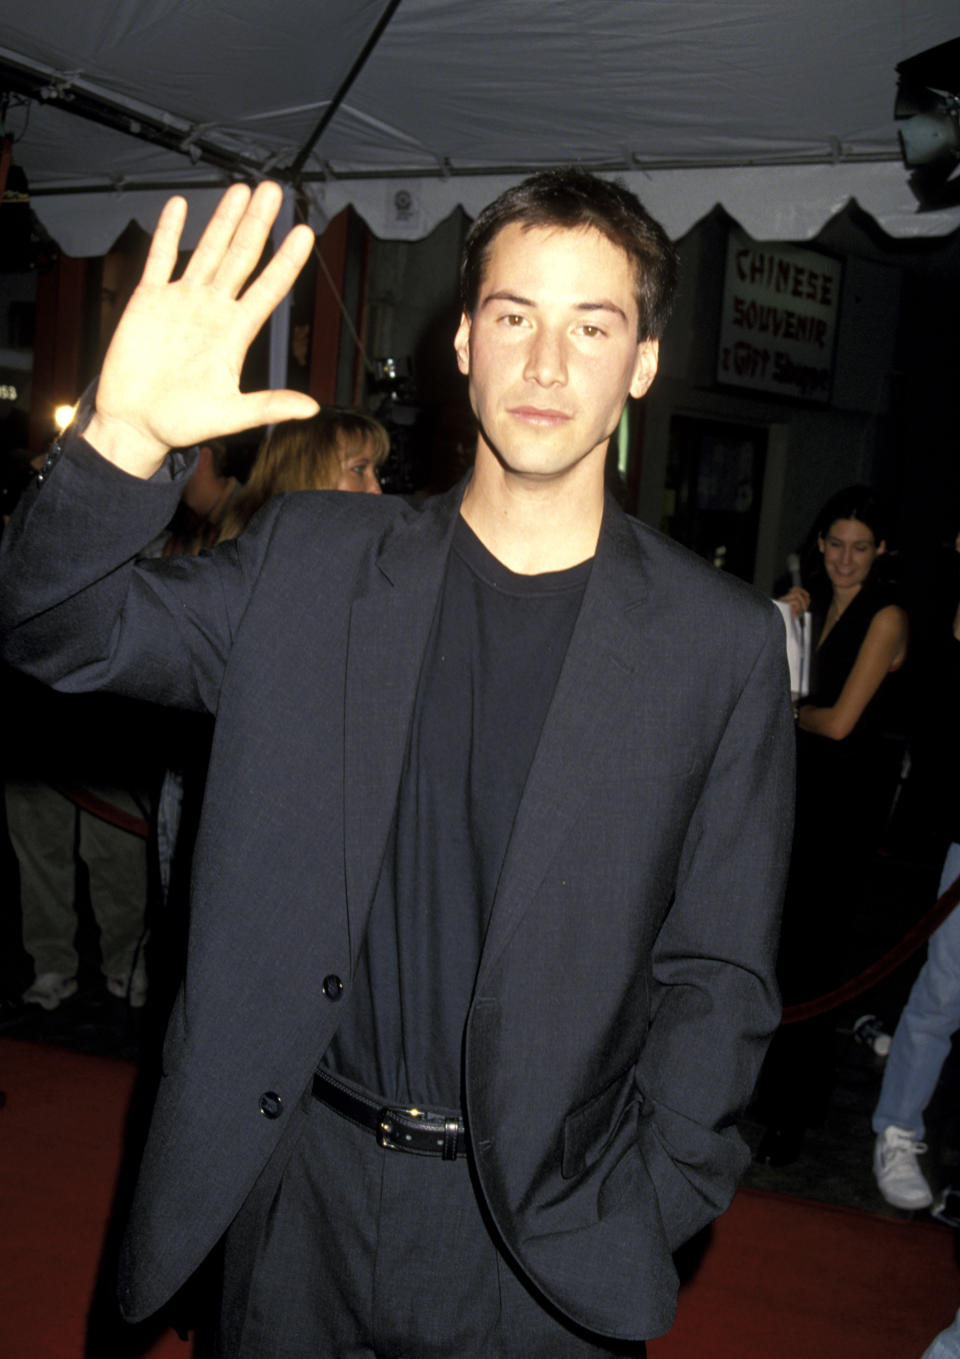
(590, 1129)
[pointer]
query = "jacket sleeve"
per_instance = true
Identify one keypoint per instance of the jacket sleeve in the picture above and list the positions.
(715, 998)
(80, 612)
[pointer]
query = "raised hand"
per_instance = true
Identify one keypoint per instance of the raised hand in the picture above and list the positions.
(171, 377)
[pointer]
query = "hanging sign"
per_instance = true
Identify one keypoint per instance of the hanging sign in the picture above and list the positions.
(778, 321)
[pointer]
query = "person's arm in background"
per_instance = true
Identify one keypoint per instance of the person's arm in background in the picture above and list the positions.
(883, 648)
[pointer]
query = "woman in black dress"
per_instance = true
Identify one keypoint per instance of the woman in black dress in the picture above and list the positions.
(860, 632)
(847, 766)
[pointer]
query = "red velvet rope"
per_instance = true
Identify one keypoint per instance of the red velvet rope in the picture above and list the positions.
(793, 1014)
(911, 941)
(105, 810)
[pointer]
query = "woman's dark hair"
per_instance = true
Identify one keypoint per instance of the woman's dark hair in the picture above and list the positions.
(574, 199)
(855, 502)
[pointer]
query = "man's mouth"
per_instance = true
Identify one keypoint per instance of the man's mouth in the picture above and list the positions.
(540, 415)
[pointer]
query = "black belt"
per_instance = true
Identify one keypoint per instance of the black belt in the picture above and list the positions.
(415, 1130)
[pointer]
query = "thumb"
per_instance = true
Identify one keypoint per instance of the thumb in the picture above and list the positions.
(268, 408)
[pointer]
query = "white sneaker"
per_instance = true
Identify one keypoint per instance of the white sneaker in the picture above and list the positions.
(899, 1178)
(133, 988)
(128, 989)
(869, 1031)
(49, 989)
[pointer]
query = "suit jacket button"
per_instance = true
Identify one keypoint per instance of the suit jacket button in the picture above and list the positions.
(271, 1105)
(332, 987)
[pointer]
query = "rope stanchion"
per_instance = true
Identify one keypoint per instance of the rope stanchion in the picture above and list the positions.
(891, 960)
(106, 811)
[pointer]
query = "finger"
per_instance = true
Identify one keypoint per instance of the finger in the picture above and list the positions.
(250, 237)
(272, 286)
(162, 256)
(218, 233)
(265, 408)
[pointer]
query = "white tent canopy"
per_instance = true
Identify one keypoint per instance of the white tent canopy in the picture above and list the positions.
(779, 110)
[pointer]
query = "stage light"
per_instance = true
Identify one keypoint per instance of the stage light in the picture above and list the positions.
(927, 108)
(63, 415)
(928, 137)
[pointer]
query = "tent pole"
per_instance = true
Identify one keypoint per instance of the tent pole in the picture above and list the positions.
(344, 88)
(280, 318)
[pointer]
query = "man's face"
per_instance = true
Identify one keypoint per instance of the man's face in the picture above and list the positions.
(551, 349)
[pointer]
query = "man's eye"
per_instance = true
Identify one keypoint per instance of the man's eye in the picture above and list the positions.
(513, 319)
(590, 330)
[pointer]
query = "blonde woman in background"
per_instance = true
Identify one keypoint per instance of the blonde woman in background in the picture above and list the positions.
(337, 450)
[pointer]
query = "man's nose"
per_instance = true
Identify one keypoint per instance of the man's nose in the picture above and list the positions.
(371, 482)
(546, 359)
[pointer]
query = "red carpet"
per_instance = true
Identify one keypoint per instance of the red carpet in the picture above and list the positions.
(787, 1278)
(782, 1278)
(61, 1134)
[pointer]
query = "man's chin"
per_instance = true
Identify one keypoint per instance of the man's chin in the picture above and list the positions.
(537, 461)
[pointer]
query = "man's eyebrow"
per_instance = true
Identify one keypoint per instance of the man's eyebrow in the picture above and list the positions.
(605, 305)
(504, 295)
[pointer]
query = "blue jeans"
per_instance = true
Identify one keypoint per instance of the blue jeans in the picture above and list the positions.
(947, 1344)
(929, 1020)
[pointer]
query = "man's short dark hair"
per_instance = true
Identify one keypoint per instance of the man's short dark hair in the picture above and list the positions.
(574, 198)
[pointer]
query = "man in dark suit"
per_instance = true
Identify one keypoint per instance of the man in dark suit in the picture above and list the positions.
(487, 882)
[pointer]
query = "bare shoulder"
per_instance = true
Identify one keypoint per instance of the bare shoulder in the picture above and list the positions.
(889, 633)
(891, 615)
(890, 622)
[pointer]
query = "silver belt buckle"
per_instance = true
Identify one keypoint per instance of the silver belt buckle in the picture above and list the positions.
(390, 1132)
(437, 1135)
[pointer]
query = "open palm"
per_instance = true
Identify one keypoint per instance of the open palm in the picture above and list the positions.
(171, 376)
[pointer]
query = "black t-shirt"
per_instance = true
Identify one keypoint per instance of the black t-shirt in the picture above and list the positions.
(490, 669)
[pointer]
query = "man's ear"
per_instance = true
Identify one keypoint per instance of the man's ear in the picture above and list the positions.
(461, 343)
(881, 547)
(645, 370)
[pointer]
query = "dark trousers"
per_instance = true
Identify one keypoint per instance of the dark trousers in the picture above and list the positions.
(347, 1251)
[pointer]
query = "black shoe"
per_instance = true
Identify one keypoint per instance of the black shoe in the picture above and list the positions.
(781, 1144)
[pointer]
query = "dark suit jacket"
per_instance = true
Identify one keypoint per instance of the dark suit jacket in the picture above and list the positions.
(625, 991)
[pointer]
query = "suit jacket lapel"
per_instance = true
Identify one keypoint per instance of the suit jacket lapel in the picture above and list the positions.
(591, 700)
(389, 631)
